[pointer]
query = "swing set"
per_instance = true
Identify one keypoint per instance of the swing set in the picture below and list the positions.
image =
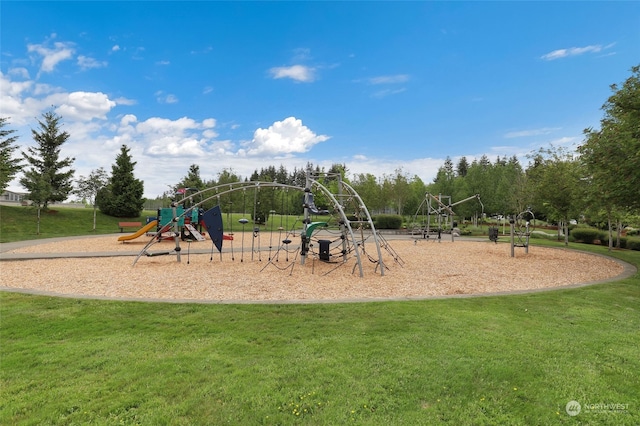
(439, 206)
(344, 232)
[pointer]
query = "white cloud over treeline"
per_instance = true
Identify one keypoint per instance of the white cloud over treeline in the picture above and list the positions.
(574, 51)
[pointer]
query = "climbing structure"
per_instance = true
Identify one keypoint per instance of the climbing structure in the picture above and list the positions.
(521, 227)
(344, 231)
(441, 207)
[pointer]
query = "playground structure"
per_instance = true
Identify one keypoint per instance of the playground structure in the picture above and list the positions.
(434, 205)
(521, 226)
(348, 233)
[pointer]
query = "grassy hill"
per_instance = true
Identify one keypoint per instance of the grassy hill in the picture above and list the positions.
(19, 223)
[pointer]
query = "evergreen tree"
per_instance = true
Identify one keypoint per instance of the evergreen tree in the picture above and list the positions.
(9, 166)
(45, 179)
(122, 197)
(443, 182)
(282, 176)
(192, 179)
(462, 167)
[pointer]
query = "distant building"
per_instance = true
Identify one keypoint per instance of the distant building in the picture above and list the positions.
(13, 197)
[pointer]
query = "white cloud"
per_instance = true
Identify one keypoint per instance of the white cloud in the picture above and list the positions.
(52, 55)
(389, 79)
(566, 141)
(13, 88)
(210, 134)
(531, 132)
(387, 92)
(83, 106)
(17, 100)
(40, 89)
(125, 101)
(115, 48)
(85, 63)
(19, 72)
(425, 168)
(283, 138)
(161, 126)
(574, 51)
(203, 51)
(176, 147)
(163, 98)
(128, 119)
(386, 80)
(301, 54)
(162, 137)
(300, 73)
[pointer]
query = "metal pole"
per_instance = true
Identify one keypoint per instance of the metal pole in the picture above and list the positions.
(304, 246)
(512, 221)
(176, 229)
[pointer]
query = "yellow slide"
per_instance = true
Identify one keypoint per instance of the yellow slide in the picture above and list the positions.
(148, 227)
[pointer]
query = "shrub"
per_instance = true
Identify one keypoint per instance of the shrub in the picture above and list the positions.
(388, 221)
(623, 242)
(587, 235)
(604, 238)
(633, 244)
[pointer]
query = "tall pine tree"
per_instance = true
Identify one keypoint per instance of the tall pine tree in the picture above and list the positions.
(46, 180)
(9, 166)
(122, 197)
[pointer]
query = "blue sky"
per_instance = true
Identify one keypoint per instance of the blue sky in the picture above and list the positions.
(378, 86)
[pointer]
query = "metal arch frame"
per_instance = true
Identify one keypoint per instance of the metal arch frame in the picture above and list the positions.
(343, 217)
(232, 187)
(376, 240)
(345, 222)
(227, 188)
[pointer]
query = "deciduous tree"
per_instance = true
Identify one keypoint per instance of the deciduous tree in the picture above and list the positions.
(612, 154)
(89, 187)
(558, 185)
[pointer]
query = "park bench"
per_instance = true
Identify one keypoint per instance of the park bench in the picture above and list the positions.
(123, 225)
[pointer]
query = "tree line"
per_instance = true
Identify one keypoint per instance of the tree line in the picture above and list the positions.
(49, 178)
(597, 183)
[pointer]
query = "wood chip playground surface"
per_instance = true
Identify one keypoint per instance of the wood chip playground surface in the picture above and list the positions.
(430, 269)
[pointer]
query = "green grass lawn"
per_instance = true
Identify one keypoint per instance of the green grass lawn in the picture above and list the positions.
(515, 360)
(19, 223)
